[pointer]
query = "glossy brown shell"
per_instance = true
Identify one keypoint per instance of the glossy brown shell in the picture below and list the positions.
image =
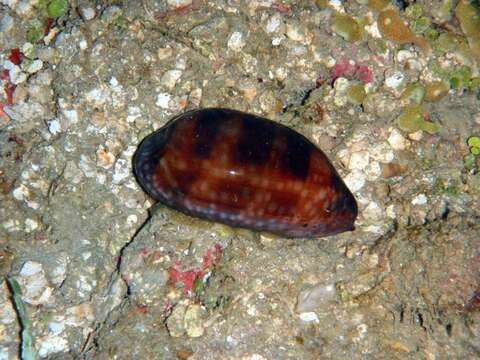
(244, 170)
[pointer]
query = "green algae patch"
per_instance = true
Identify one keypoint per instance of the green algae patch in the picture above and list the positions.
(457, 78)
(431, 34)
(35, 32)
(57, 8)
(435, 90)
(470, 161)
(448, 42)
(468, 15)
(411, 119)
(378, 5)
(474, 84)
(449, 188)
(414, 11)
(322, 4)
(474, 145)
(392, 27)
(356, 94)
(347, 27)
(460, 77)
(444, 11)
(421, 25)
(414, 94)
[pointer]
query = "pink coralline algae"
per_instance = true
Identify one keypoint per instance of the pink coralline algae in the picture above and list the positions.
(351, 70)
(9, 90)
(188, 277)
(179, 11)
(281, 8)
(15, 57)
(213, 256)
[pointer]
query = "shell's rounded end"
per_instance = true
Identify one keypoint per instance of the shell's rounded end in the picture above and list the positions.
(145, 160)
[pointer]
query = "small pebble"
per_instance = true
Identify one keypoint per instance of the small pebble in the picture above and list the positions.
(59, 272)
(17, 76)
(105, 158)
(404, 55)
(359, 160)
(87, 166)
(373, 212)
(51, 344)
(30, 225)
(396, 140)
(391, 170)
(175, 322)
(341, 87)
(395, 80)
(54, 126)
(34, 284)
(193, 321)
(195, 97)
(294, 33)
(355, 180)
(8, 65)
(6, 23)
(30, 268)
(70, 115)
(122, 171)
(86, 10)
(97, 96)
(11, 225)
(309, 317)
(134, 113)
(170, 78)
(33, 66)
(420, 199)
(21, 193)
(373, 30)
(277, 40)
(132, 220)
(83, 44)
(163, 100)
(274, 23)
(416, 136)
(113, 82)
(337, 5)
(28, 49)
(236, 41)
(164, 53)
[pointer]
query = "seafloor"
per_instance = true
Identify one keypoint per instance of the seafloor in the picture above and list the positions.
(390, 90)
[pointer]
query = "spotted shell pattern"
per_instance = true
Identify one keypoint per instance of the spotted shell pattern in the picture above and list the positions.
(246, 171)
